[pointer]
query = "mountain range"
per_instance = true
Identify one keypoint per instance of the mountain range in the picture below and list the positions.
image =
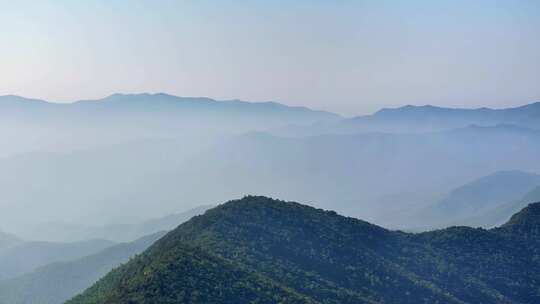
(101, 162)
(28, 125)
(428, 118)
(260, 250)
(438, 117)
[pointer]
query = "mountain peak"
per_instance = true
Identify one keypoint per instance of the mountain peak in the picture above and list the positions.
(253, 206)
(263, 204)
(143, 98)
(159, 96)
(268, 215)
(424, 110)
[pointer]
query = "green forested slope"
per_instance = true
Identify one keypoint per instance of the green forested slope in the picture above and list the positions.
(259, 250)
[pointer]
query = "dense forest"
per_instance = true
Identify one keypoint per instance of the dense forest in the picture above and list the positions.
(261, 250)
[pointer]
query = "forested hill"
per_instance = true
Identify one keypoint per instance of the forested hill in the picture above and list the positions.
(260, 250)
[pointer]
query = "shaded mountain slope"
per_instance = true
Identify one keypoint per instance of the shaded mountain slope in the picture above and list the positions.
(515, 206)
(211, 280)
(27, 256)
(58, 282)
(128, 232)
(526, 222)
(325, 258)
(64, 232)
(481, 197)
(490, 191)
(500, 214)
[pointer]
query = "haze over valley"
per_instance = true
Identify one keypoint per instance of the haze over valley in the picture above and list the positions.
(130, 158)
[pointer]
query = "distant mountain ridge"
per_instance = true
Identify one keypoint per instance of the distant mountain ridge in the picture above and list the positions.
(28, 125)
(57, 282)
(259, 250)
(345, 172)
(130, 151)
(416, 111)
(163, 98)
(483, 195)
(428, 118)
(26, 256)
(502, 213)
(525, 115)
(60, 232)
(160, 100)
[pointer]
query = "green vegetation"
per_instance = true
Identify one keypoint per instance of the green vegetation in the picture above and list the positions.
(260, 250)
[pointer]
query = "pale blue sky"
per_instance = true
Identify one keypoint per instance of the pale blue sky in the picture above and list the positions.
(350, 57)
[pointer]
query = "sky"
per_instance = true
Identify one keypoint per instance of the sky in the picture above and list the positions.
(349, 57)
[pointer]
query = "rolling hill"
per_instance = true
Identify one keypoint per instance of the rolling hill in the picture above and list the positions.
(260, 250)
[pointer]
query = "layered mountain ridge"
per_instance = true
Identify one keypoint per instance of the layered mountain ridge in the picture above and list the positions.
(129, 151)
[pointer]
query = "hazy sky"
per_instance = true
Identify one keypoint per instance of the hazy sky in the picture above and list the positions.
(345, 56)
